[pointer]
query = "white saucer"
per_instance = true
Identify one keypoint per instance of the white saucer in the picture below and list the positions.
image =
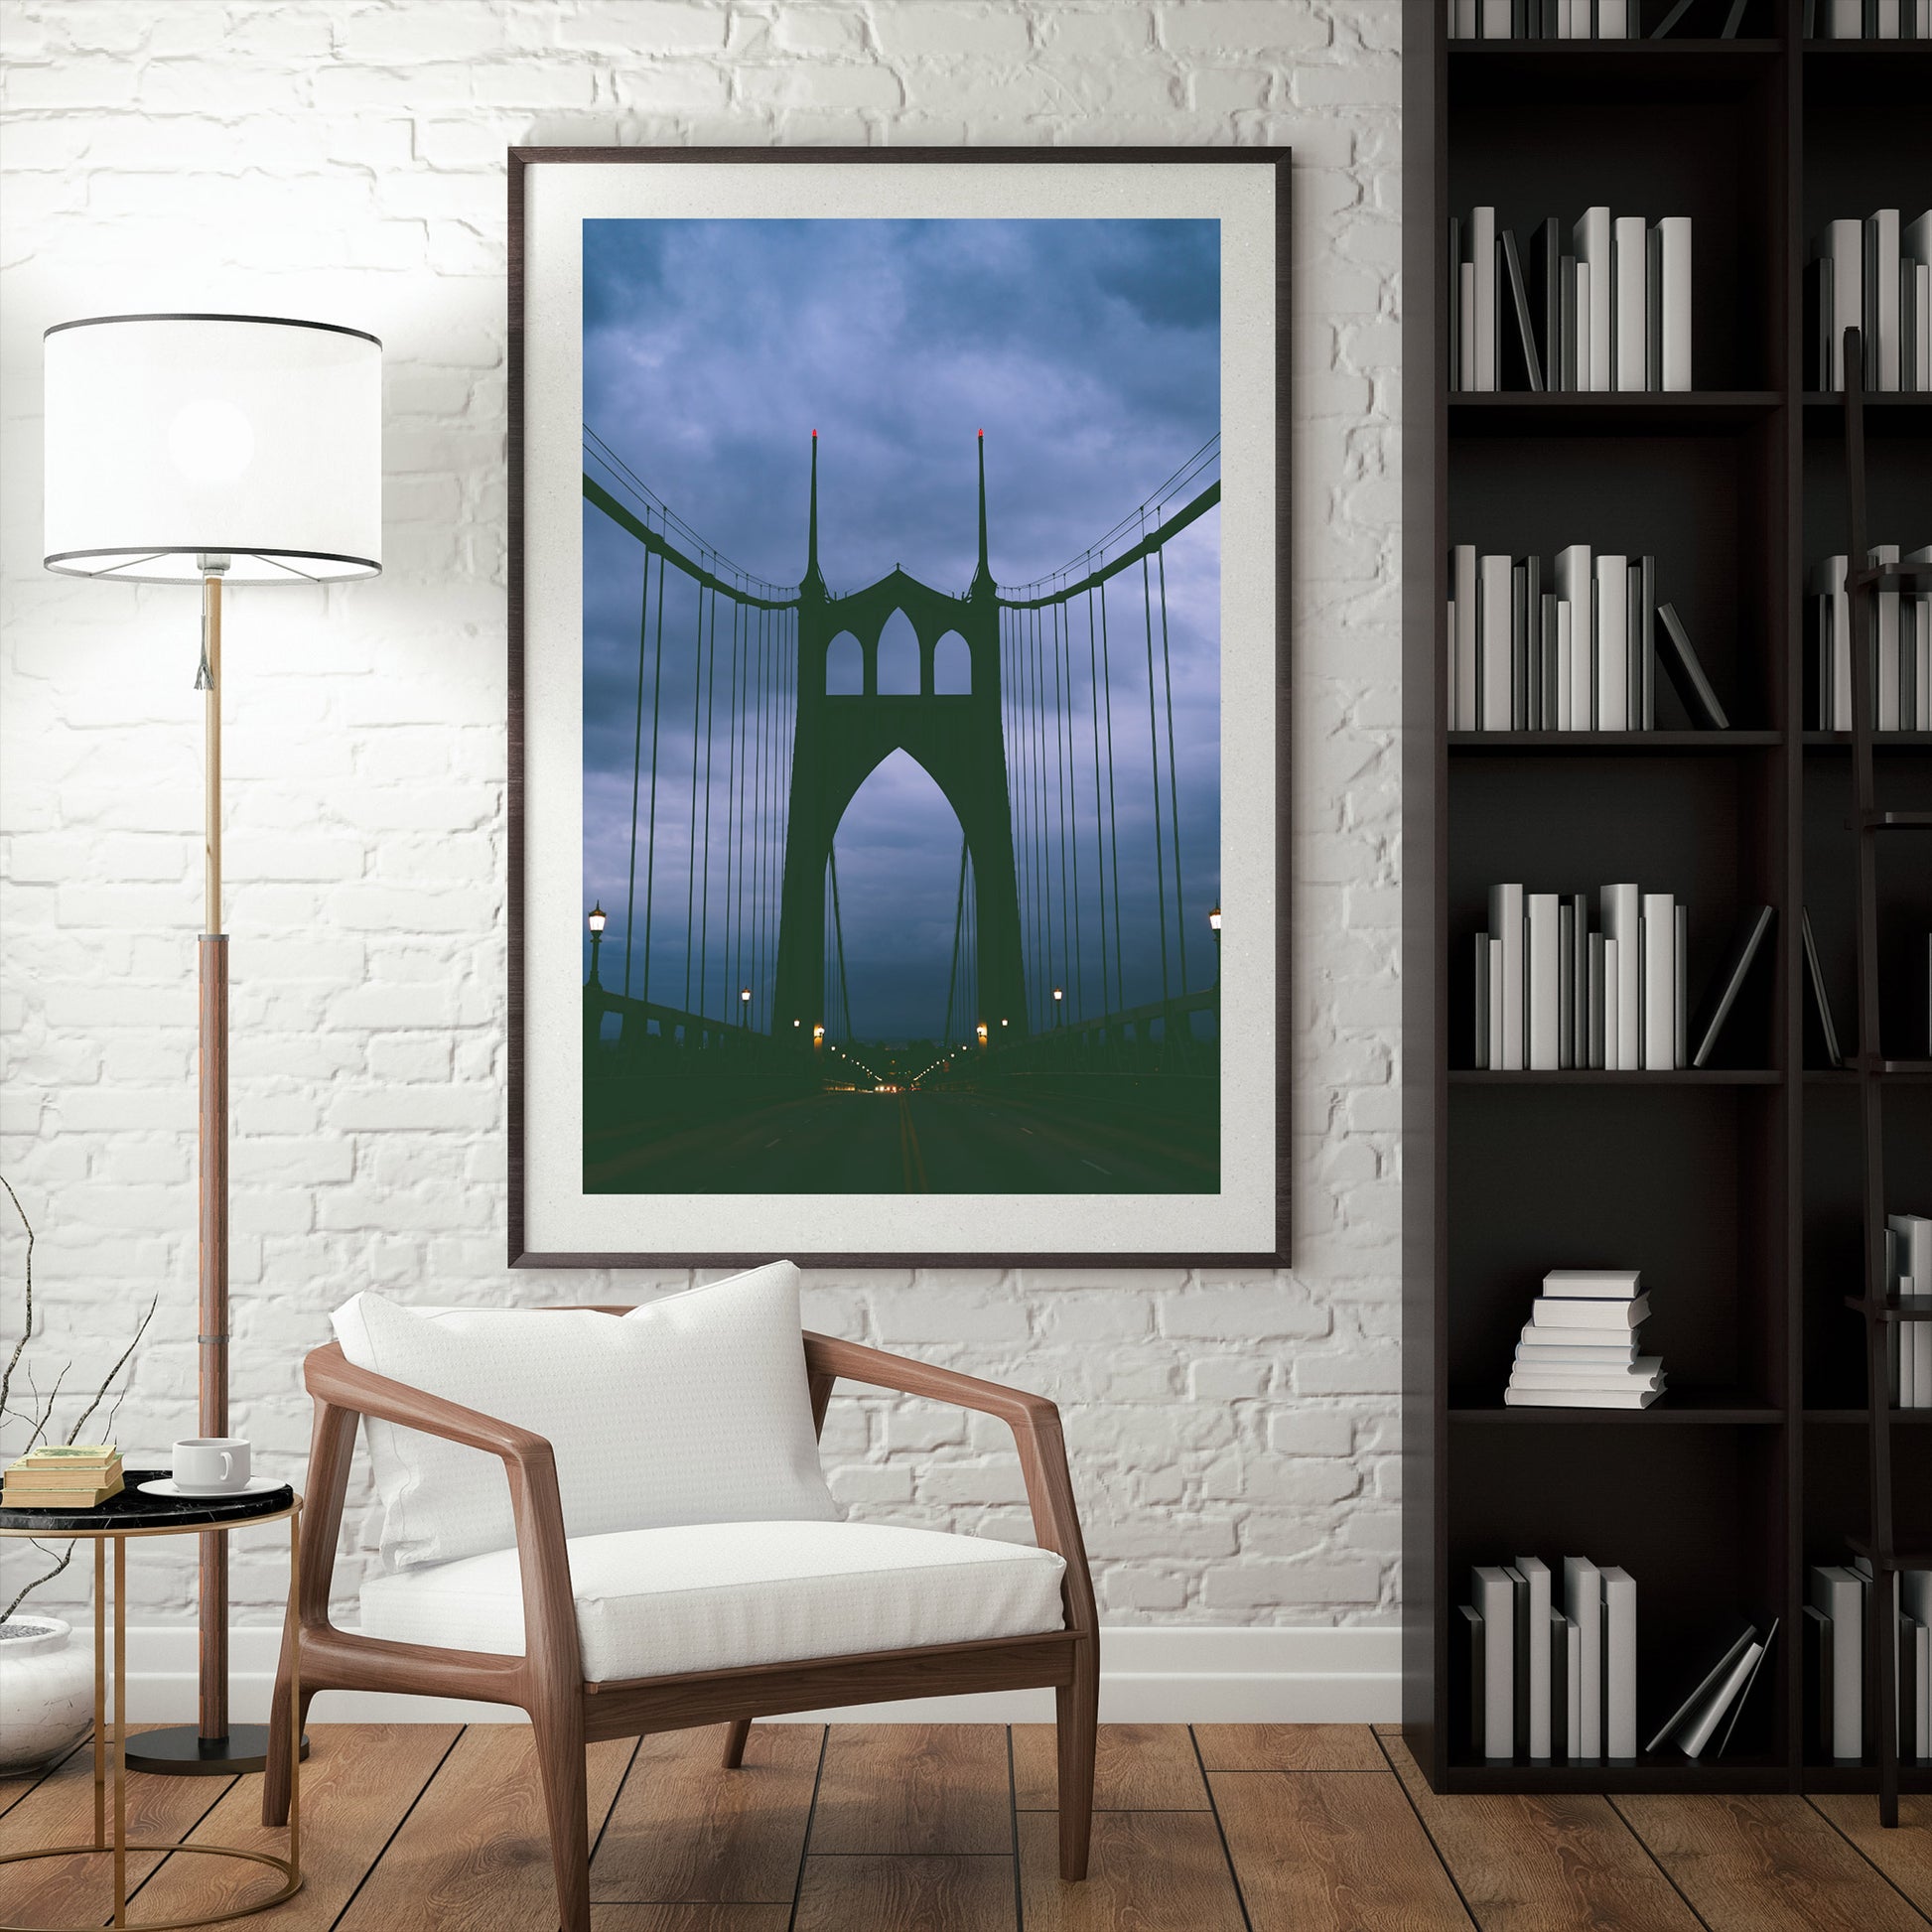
(168, 1486)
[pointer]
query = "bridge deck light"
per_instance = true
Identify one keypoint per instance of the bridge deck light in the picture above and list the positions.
(1215, 920)
(597, 918)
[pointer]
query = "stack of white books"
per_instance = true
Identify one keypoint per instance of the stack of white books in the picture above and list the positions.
(1908, 1267)
(1875, 276)
(1901, 649)
(1579, 1348)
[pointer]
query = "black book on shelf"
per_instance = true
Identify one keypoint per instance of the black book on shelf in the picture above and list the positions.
(1705, 1687)
(1472, 1632)
(1671, 18)
(1545, 299)
(1520, 1587)
(1753, 928)
(1818, 1668)
(1734, 21)
(1821, 1003)
(1522, 367)
(1682, 666)
(1454, 301)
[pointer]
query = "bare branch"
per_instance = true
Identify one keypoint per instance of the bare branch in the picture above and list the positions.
(46, 1576)
(73, 1434)
(27, 1329)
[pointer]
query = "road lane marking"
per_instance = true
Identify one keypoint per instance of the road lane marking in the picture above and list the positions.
(774, 1142)
(1085, 1162)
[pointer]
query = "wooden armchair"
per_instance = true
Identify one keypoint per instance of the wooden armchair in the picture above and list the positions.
(547, 1681)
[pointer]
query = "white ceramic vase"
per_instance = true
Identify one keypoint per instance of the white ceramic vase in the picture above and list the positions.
(46, 1691)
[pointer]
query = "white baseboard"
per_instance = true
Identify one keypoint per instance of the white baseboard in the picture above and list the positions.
(1184, 1674)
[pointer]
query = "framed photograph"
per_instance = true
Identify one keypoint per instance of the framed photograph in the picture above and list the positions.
(898, 707)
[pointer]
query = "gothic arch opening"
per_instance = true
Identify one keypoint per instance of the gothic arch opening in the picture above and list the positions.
(845, 667)
(899, 659)
(898, 851)
(952, 667)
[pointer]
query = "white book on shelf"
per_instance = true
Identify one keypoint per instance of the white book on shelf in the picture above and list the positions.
(1495, 642)
(1609, 1004)
(1881, 314)
(1468, 717)
(1673, 232)
(1699, 1733)
(1465, 326)
(1681, 988)
(1645, 1372)
(1842, 19)
(1591, 238)
(1608, 1284)
(1620, 909)
(1482, 257)
(1842, 245)
(1545, 979)
(1629, 247)
(1565, 697)
(1838, 1594)
(1583, 1600)
(1536, 1572)
(1915, 1602)
(1619, 1665)
(1922, 317)
(1659, 983)
(1885, 26)
(1496, 1062)
(1495, 20)
(1506, 927)
(1614, 20)
(1636, 1398)
(1496, 1600)
(1615, 1357)
(1612, 640)
(1577, 587)
(1609, 1317)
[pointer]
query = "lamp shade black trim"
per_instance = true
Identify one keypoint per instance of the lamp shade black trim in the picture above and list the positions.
(276, 322)
(149, 552)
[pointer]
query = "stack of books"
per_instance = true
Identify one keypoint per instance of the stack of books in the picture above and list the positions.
(1551, 994)
(1867, 20)
(1612, 311)
(1570, 649)
(1543, 20)
(67, 1476)
(1908, 1268)
(1901, 651)
(1874, 275)
(1835, 1628)
(1548, 1683)
(1579, 1348)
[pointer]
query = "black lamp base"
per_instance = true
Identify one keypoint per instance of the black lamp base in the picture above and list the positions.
(182, 1752)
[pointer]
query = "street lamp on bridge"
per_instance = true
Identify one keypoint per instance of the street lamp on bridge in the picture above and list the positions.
(744, 1004)
(596, 924)
(1060, 1006)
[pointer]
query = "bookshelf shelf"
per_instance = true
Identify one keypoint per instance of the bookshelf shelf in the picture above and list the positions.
(1596, 1076)
(1740, 1195)
(1519, 412)
(1701, 1411)
(1657, 744)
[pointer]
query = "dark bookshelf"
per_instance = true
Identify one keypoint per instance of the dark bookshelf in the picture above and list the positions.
(1735, 1187)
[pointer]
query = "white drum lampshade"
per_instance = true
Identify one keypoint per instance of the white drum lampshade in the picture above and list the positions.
(172, 438)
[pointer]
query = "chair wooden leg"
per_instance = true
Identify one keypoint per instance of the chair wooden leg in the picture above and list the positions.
(559, 1730)
(275, 1771)
(736, 1734)
(1077, 1713)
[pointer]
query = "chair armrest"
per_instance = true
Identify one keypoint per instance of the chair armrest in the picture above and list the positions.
(529, 1463)
(331, 1375)
(1034, 1420)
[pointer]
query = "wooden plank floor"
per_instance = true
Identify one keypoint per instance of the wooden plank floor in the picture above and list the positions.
(952, 1828)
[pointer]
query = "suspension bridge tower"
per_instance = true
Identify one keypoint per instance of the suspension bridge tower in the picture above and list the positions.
(840, 741)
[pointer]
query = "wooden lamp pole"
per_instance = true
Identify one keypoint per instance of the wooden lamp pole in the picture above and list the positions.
(213, 1153)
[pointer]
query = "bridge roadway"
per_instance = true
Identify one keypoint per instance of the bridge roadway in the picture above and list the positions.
(925, 1142)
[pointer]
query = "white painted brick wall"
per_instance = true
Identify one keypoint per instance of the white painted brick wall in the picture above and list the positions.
(1233, 1438)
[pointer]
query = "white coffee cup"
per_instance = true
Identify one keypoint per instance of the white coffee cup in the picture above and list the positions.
(212, 1464)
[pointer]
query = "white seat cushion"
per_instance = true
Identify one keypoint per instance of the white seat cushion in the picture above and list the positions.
(719, 1596)
(691, 1409)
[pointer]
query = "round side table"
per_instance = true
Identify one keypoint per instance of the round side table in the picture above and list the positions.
(135, 1513)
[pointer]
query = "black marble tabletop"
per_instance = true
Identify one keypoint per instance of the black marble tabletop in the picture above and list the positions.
(133, 1509)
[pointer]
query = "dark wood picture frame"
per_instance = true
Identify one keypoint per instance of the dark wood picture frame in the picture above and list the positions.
(521, 1255)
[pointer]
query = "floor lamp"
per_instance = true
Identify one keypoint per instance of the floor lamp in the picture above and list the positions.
(212, 450)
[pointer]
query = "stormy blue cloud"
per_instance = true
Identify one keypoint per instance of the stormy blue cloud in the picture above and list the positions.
(1088, 352)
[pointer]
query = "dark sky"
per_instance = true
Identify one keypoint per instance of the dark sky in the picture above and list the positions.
(1089, 353)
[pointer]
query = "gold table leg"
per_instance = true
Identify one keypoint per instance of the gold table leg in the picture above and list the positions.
(120, 1731)
(100, 1694)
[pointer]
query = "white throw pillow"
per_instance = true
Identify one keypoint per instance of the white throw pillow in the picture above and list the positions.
(693, 1409)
